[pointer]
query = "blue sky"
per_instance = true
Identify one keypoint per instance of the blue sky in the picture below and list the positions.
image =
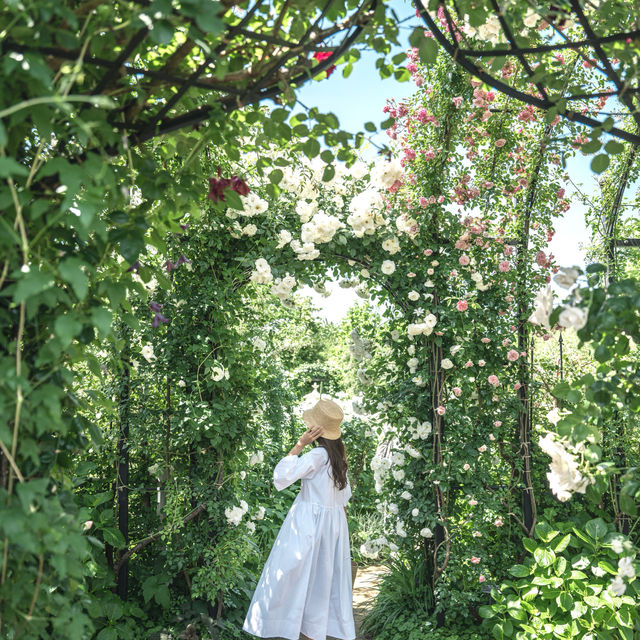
(361, 97)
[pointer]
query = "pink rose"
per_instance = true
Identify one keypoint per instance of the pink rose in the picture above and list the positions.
(428, 252)
(497, 423)
(475, 559)
(506, 342)
(481, 579)
(504, 266)
(464, 260)
(462, 305)
(517, 385)
(485, 340)
(466, 466)
(508, 250)
(473, 502)
(440, 410)
(440, 199)
(468, 364)
(482, 448)
(423, 201)
(457, 391)
(498, 522)
(513, 355)
(493, 379)
(500, 142)
(481, 363)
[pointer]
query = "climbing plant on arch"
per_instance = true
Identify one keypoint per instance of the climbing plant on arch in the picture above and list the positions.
(452, 233)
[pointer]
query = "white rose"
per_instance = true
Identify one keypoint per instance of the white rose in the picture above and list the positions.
(147, 352)
(413, 295)
(446, 363)
(567, 277)
(426, 533)
(388, 267)
(572, 317)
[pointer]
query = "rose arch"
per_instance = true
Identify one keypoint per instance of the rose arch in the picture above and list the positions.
(452, 232)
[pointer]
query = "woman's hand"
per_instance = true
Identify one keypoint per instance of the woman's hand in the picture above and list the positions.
(310, 435)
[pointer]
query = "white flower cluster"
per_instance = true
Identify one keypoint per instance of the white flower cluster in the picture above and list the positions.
(422, 431)
(262, 273)
(380, 467)
(385, 173)
(360, 349)
(252, 205)
(422, 328)
(366, 210)
(564, 475)
(626, 569)
(234, 514)
(371, 548)
(570, 316)
(282, 287)
(320, 229)
(391, 245)
(256, 458)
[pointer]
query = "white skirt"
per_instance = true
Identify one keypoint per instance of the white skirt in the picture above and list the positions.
(305, 585)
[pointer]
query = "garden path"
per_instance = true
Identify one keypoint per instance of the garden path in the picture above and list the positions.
(365, 590)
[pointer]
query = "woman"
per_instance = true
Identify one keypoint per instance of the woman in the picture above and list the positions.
(305, 586)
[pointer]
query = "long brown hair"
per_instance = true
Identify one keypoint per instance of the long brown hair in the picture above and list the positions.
(337, 458)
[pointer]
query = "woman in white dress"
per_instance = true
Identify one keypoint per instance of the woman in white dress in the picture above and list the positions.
(305, 586)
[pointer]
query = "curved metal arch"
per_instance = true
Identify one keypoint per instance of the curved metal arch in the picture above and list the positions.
(461, 56)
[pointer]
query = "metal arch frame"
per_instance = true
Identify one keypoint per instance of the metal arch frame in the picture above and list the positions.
(461, 56)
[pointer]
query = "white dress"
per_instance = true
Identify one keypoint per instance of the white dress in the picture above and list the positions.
(305, 585)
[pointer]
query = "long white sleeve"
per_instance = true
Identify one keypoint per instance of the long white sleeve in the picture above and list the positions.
(292, 468)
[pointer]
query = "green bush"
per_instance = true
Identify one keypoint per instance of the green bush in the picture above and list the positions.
(564, 588)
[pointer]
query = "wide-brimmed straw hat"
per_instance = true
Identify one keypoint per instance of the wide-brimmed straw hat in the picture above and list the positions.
(326, 414)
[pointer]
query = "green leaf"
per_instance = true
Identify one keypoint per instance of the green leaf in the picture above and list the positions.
(71, 271)
(327, 156)
(131, 245)
(275, 177)
(486, 611)
(596, 528)
(600, 163)
(592, 146)
(311, 148)
(280, 115)
(544, 557)
(613, 147)
(208, 19)
(66, 328)
(329, 172)
(101, 318)
(33, 283)
(113, 537)
(369, 126)
(427, 47)
(565, 601)
(529, 544)
(563, 544)
(520, 571)
(9, 167)
(544, 532)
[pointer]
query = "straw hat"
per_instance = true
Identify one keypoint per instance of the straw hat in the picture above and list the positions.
(326, 414)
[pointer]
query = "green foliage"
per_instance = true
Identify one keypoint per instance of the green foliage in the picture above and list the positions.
(563, 587)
